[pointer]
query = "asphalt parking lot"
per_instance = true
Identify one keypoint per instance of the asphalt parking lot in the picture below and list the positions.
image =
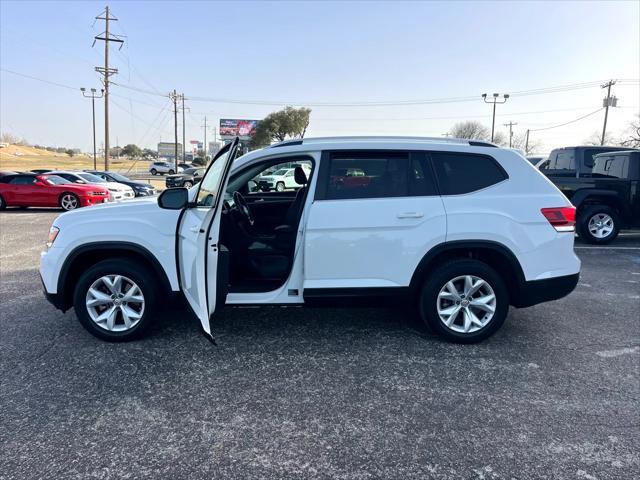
(321, 393)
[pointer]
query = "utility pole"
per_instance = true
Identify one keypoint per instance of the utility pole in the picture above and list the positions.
(609, 101)
(174, 97)
(107, 37)
(494, 101)
(93, 97)
(184, 140)
(526, 143)
(510, 125)
(204, 145)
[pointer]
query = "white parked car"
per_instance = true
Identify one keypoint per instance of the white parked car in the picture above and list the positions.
(117, 191)
(459, 230)
(280, 180)
(162, 167)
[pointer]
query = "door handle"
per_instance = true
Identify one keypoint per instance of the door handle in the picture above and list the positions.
(411, 215)
(194, 229)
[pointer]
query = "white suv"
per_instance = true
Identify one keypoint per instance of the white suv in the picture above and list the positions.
(162, 167)
(457, 229)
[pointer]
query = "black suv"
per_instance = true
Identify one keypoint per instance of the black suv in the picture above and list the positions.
(186, 179)
(140, 189)
(603, 183)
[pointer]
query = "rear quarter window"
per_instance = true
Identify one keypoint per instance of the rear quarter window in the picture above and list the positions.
(460, 173)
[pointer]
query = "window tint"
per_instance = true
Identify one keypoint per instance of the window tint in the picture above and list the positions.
(562, 160)
(460, 173)
(611, 166)
(23, 180)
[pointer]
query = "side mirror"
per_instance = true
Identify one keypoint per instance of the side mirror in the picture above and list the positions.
(174, 198)
(40, 183)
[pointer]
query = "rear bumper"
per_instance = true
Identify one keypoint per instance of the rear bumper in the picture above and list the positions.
(539, 291)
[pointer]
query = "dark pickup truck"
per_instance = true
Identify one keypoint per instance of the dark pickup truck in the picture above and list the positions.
(604, 185)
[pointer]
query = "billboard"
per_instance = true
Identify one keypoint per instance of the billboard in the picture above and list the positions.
(167, 150)
(232, 127)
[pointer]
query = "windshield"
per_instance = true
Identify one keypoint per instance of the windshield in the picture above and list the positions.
(211, 182)
(118, 177)
(91, 178)
(56, 180)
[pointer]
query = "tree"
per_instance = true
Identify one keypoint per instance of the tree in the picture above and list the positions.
(471, 130)
(131, 151)
(520, 142)
(148, 153)
(278, 126)
(631, 136)
(70, 152)
(596, 137)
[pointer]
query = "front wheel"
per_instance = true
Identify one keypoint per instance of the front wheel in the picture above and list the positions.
(187, 184)
(464, 301)
(598, 224)
(3, 204)
(116, 300)
(69, 201)
(280, 187)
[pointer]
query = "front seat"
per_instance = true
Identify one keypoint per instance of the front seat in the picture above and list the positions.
(285, 234)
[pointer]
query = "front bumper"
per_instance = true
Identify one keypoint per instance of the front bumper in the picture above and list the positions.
(539, 291)
(54, 299)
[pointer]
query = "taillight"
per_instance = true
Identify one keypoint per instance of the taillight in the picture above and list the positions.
(563, 219)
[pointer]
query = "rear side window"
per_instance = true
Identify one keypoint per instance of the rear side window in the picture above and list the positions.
(23, 180)
(613, 166)
(378, 175)
(562, 160)
(460, 173)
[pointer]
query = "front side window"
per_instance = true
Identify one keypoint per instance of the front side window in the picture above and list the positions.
(362, 175)
(460, 173)
(56, 180)
(208, 189)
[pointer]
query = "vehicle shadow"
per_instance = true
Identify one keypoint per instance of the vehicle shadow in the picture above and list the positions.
(32, 210)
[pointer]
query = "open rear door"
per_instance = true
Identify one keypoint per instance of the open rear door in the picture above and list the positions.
(198, 233)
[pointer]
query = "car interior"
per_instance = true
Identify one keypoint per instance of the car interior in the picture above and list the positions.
(259, 228)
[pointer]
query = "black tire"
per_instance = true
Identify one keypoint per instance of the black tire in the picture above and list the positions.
(134, 271)
(280, 187)
(171, 172)
(154, 171)
(587, 214)
(187, 184)
(3, 204)
(63, 203)
(428, 301)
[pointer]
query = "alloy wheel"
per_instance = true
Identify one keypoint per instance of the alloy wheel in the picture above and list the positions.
(601, 225)
(115, 303)
(69, 201)
(466, 304)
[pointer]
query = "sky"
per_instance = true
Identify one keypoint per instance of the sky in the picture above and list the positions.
(262, 56)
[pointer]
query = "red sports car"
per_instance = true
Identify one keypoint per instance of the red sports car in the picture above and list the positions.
(31, 190)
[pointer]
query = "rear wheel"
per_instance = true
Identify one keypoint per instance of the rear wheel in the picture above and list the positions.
(464, 301)
(598, 224)
(154, 171)
(280, 187)
(3, 204)
(116, 300)
(69, 201)
(187, 184)
(171, 172)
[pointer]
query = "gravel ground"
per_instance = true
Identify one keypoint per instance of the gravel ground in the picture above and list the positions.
(321, 393)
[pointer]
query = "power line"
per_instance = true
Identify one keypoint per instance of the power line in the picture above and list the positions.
(566, 123)
(39, 79)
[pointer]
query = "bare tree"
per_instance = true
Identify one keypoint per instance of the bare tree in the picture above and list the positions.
(12, 139)
(596, 137)
(471, 129)
(631, 136)
(520, 142)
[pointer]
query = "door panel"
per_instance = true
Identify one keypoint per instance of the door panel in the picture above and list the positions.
(198, 233)
(370, 242)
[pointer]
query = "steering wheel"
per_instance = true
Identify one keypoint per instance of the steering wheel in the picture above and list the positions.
(243, 207)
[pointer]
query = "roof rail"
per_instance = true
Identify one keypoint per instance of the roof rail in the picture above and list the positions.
(300, 141)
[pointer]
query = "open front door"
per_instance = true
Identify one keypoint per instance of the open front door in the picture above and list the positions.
(198, 233)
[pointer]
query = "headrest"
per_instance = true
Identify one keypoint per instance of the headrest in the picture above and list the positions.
(299, 176)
